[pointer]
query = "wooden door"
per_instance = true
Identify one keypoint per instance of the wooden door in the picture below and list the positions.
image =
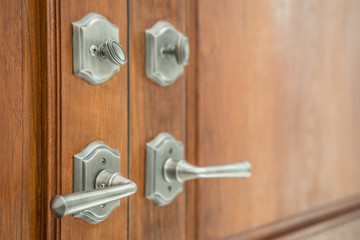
(152, 110)
(125, 113)
(271, 82)
(278, 86)
(20, 118)
(90, 113)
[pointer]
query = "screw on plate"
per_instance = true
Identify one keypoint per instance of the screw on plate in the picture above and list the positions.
(103, 161)
(93, 50)
(102, 186)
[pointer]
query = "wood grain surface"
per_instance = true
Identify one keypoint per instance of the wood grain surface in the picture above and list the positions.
(305, 221)
(343, 227)
(20, 120)
(278, 86)
(153, 109)
(50, 115)
(192, 121)
(90, 113)
(273, 82)
(347, 231)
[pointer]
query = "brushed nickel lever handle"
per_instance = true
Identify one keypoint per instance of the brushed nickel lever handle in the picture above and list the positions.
(166, 169)
(98, 185)
(109, 187)
(181, 170)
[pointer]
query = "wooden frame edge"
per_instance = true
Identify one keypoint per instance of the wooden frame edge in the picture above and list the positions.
(50, 114)
(192, 203)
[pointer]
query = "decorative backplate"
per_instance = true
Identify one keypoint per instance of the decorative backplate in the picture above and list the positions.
(87, 164)
(163, 147)
(167, 51)
(88, 34)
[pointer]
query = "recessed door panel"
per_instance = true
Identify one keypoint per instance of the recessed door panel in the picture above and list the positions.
(278, 87)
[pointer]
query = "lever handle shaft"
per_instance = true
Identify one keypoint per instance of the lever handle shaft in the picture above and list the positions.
(119, 187)
(182, 170)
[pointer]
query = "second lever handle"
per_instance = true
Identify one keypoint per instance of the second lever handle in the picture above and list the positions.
(181, 170)
(166, 169)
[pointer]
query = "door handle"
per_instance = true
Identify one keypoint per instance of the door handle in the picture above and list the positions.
(98, 185)
(181, 170)
(109, 187)
(166, 169)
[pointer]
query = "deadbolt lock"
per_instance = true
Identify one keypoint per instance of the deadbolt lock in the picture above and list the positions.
(167, 52)
(97, 53)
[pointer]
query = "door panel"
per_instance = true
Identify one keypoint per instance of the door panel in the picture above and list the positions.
(90, 113)
(20, 120)
(278, 86)
(153, 109)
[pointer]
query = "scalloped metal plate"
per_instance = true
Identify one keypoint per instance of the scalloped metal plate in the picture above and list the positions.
(163, 70)
(96, 157)
(157, 189)
(92, 29)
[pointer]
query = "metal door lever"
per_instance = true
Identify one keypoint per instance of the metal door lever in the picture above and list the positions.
(98, 185)
(181, 170)
(109, 187)
(166, 169)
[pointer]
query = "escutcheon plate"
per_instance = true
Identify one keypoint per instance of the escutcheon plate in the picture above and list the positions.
(157, 189)
(163, 69)
(96, 157)
(89, 32)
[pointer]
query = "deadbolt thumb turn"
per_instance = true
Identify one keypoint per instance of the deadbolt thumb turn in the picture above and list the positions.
(97, 53)
(112, 50)
(98, 185)
(166, 169)
(167, 52)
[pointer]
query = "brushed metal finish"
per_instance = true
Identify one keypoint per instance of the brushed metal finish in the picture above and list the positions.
(167, 52)
(98, 185)
(113, 51)
(97, 53)
(157, 188)
(64, 205)
(166, 169)
(181, 170)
